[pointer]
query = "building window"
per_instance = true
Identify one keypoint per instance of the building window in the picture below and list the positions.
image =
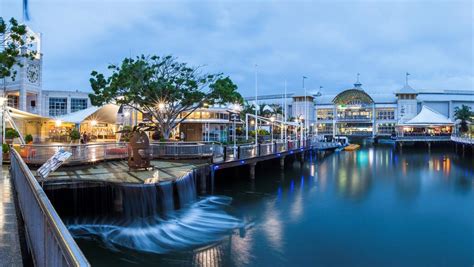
(78, 104)
(12, 101)
(386, 128)
(386, 114)
(325, 114)
(57, 106)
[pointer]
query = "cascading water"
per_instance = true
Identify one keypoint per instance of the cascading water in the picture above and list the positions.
(186, 187)
(149, 223)
(167, 199)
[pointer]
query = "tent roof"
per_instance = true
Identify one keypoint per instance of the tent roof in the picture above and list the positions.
(20, 114)
(106, 114)
(426, 117)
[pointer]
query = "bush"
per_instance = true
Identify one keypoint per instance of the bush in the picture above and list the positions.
(11, 133)
(75, 134)
(28, 138)
(5, 148)
(260, 132)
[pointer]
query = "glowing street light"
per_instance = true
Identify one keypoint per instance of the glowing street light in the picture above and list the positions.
(58, 123)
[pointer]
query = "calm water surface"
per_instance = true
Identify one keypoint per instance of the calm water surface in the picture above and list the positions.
(372, 207)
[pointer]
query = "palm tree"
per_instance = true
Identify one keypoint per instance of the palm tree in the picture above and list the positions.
(464, 115)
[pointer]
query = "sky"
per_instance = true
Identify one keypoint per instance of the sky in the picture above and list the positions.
(327, 41)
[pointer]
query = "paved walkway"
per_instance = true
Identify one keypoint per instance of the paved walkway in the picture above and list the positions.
(118, 171)
(10, 251)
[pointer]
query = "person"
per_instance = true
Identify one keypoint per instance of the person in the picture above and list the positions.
(84, 138)
(181, 137)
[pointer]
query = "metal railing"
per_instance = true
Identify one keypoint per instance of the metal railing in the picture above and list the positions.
(89, 153)
(464, 140)
(50, 242)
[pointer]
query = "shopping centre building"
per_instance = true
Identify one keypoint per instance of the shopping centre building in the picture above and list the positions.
(355, 112)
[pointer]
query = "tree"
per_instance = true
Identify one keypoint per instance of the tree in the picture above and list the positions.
(14, 43)
(463, 114)
(165, 89)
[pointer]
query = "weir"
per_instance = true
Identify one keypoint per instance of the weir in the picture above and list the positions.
(155, 218)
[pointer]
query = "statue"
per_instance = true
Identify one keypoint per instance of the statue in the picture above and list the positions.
(139, 151)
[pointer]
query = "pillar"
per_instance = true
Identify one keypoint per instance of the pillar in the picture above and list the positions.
(282, 162)
(429, 146)
(252, 170)
(212, 180)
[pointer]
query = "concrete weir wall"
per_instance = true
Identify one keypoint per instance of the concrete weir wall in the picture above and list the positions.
(128, 200)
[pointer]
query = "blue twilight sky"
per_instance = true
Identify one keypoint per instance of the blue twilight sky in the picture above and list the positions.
(327, 41)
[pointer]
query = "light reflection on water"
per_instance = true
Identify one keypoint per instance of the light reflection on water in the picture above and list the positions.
(372, 207)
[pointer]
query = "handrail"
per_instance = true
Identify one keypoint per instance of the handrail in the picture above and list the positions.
(89, 153)
(50, 241)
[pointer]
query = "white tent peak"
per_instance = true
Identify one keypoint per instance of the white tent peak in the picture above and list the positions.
(428, 116)
(106, 114)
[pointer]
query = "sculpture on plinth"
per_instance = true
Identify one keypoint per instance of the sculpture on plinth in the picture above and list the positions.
(139, 151)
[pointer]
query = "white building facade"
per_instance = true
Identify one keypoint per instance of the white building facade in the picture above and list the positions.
(357, 112)
(25, 92)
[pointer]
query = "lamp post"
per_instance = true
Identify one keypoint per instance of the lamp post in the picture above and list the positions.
(302, 129)
(256, 106)
(305, 108)
(2, 121)
(272, 119)
(235, 109)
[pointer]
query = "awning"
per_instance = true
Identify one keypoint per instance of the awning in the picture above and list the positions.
(428, 117)
(22, 115)
(104, 114)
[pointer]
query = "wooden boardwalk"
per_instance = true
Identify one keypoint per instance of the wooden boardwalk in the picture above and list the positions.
(10, 249)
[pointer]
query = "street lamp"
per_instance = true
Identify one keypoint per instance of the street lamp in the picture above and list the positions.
(235, 109)
(272, 119)
(3, 100)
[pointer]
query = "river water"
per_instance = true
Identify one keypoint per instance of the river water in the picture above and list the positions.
(373, 207)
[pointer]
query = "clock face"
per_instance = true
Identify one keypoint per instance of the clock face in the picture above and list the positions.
(32, 73)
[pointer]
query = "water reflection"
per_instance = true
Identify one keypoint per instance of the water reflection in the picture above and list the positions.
(381, 207)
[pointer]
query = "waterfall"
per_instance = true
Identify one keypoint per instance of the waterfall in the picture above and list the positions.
(167, 196)
(186, 187)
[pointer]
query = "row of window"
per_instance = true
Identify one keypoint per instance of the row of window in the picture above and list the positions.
(327, 114)
(207, 115)
(58, 105)
(385, 114)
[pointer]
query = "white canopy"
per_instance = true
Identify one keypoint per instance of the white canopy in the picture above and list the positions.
(105, 114)
(428, 117)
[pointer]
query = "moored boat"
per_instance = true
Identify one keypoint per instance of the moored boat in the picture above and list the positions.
(352, 147)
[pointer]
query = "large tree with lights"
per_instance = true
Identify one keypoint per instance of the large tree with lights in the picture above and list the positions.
(162, 87)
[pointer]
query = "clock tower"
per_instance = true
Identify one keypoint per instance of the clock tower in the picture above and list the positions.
(24, 92)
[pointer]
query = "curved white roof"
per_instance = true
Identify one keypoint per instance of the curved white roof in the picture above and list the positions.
(427, 117)
(105, 114)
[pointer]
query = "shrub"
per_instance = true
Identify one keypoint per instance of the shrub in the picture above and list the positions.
(75, 134)
(28, 138)
(11, 133)
(5, 148)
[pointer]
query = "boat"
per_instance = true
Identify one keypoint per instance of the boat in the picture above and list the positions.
(352, 147)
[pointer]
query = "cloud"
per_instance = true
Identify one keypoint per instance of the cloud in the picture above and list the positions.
(328, 41)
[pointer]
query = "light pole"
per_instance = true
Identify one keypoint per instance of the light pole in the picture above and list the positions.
(302, 129)
(2, 121)
(235, 109)
(272, 119)
(305, 107)
(256, 106)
